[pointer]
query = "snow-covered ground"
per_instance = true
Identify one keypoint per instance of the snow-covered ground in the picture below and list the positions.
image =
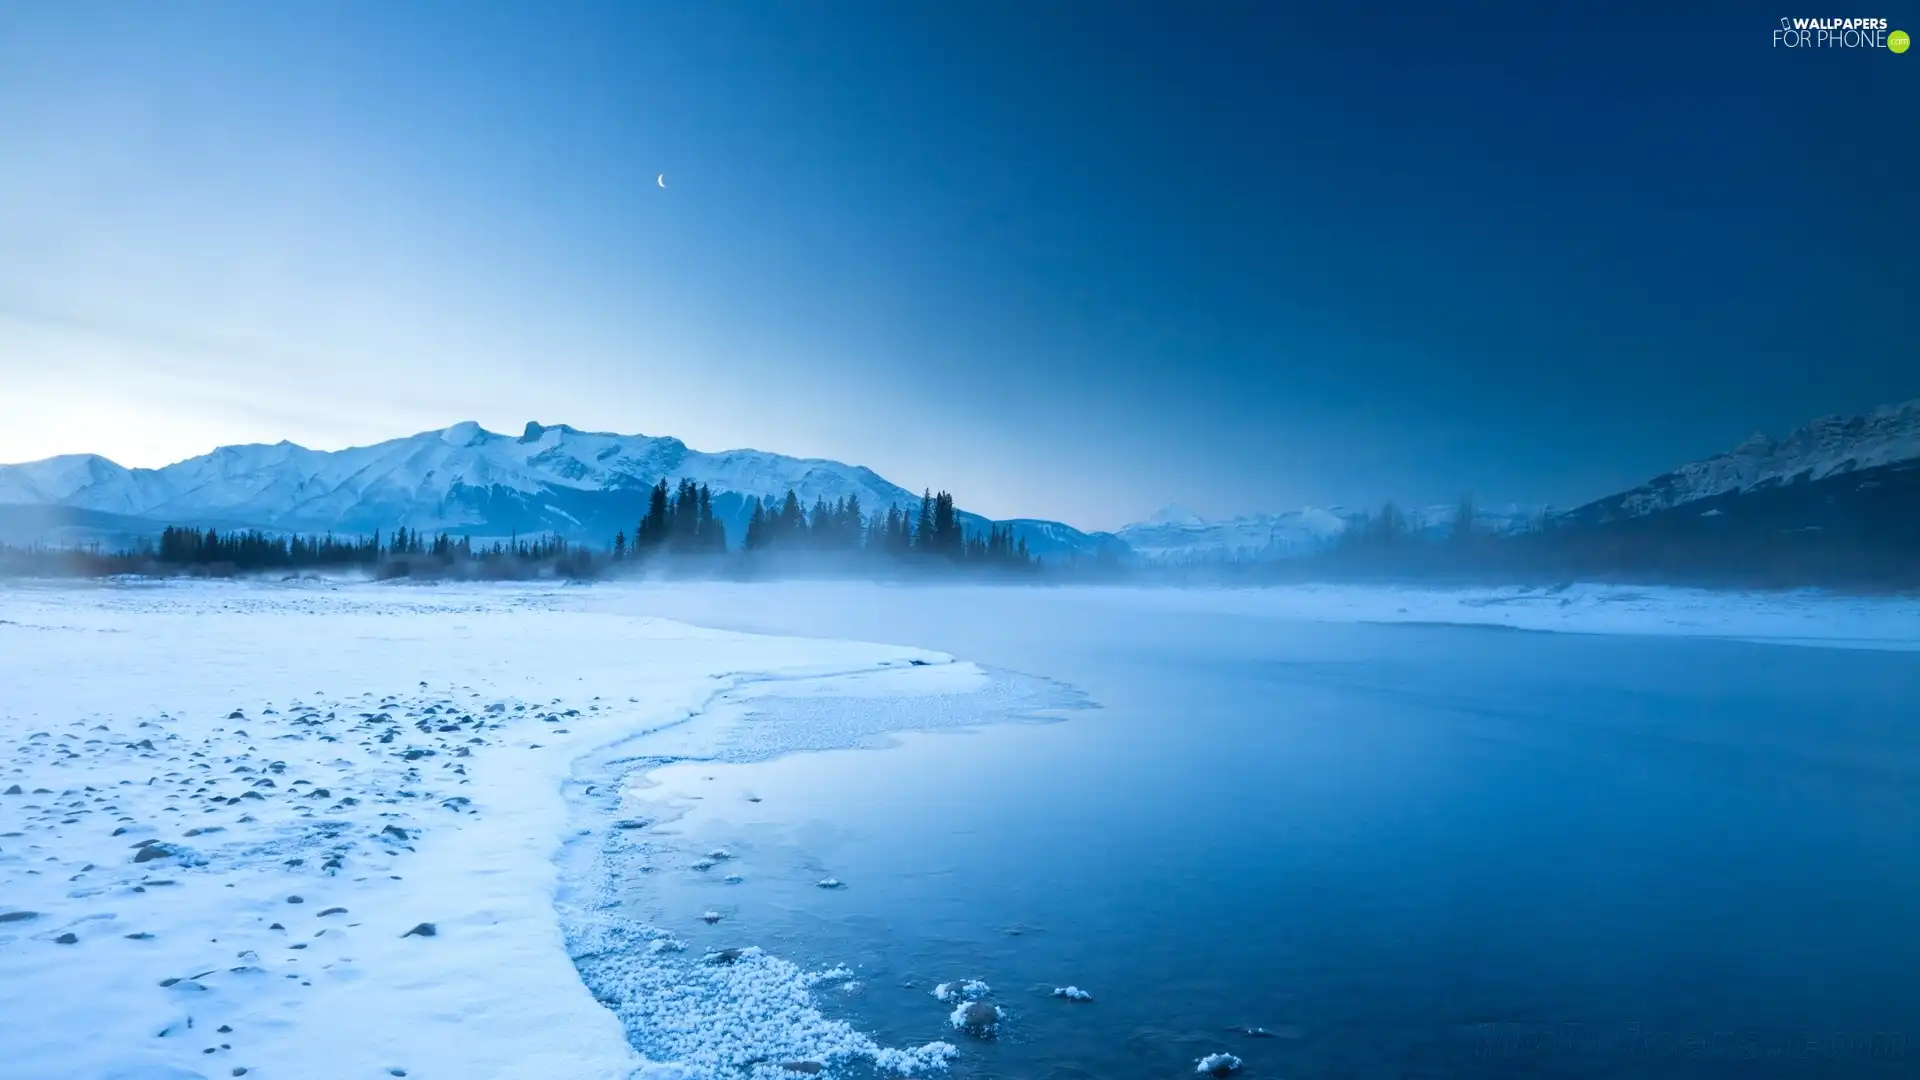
(313, 831)
(319, 830)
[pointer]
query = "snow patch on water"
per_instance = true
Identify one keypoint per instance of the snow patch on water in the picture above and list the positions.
(966, 990)
(1217, 1065)
(741, 1017)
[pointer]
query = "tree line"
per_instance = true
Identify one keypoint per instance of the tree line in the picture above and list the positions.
(679, 521)
(254, 549)
(249, 550)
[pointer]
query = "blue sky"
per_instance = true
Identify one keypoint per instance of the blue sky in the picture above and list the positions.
(1067, 260)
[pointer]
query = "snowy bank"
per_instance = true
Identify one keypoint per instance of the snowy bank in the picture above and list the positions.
(1804, 617)
(316, 831)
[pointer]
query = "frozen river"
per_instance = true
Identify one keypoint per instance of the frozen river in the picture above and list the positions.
(689, 831)
(1396, 850)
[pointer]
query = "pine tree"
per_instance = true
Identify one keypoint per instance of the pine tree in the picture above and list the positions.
(903, 533)
(923, 529)
(793, 523)
(820, 522)
(852, 522)
(685, 517)
(652, 530)
(756, 537)
(946, 530)
(711, 536)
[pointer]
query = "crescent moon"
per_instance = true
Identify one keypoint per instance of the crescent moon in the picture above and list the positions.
(663, 180)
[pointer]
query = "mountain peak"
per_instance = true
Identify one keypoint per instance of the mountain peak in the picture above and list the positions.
(465, 433)
(536, 431)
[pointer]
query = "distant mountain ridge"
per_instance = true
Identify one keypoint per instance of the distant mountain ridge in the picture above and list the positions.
(1841, 485)
(466, 480)
(1177, 535)
(1844, 474)
(1829, 447)
(1835, 502)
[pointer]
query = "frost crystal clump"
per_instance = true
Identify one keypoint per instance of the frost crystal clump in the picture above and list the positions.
(1217, 1065)
(970, 990)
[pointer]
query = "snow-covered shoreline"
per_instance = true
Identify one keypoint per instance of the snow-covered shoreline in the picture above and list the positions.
(1799, 617)
(352, 807)
(1809, 617)
(324, 830)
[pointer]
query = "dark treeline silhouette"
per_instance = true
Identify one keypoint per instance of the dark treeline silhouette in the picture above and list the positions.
(255, 550)
(252, 549)
(932, 531)
(678, 521)
(677, 534)
(403, 553)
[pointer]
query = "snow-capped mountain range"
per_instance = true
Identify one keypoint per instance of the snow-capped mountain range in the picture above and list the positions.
(463, 479)
(587, 485)
(1830, 447)
(1175, 534)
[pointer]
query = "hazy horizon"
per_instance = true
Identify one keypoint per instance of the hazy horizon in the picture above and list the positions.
(1066, 261)
(1144, 516)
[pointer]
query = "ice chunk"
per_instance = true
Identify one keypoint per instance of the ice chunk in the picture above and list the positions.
(1217, 1065)
(969, 990)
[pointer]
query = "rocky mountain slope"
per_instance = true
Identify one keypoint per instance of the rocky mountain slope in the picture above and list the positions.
(1832, 447)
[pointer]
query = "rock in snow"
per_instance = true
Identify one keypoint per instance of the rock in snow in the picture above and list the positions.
(976, 1018)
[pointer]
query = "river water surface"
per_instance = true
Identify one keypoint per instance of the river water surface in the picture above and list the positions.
(1342, 850)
